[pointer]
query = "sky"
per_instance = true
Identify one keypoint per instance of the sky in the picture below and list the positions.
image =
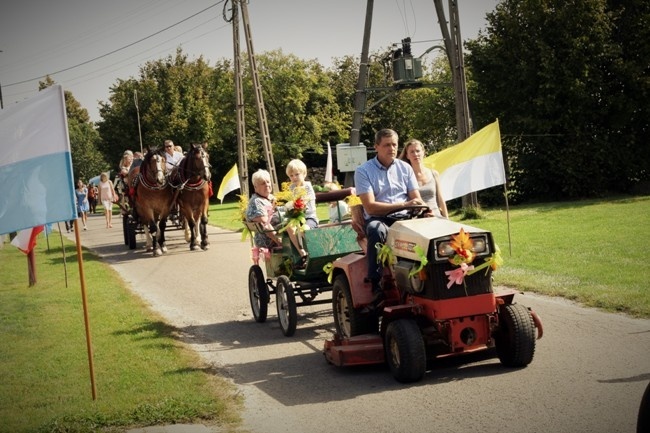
(88, 45)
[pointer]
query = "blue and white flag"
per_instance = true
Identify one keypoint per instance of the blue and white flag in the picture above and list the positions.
(35, 166)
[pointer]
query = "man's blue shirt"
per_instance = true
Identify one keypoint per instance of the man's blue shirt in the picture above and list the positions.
(389, 185)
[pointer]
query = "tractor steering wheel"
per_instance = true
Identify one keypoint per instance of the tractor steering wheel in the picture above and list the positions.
(412, 212)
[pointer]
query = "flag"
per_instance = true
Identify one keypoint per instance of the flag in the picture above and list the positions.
(328, 166)
(25, 240)
(230, 182)
(473, 165)
(35, 164)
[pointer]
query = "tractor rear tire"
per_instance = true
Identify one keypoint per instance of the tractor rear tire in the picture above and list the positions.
(349, 321)
(258, 293)
(405, 351)
(285, 300)
(515, 338)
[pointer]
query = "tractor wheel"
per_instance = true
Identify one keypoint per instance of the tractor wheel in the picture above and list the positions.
(285, 300)
(405, 350)
(515, 338)
(348, 320)
(258, 293)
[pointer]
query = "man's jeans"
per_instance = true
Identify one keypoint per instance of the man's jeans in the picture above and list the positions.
(376, 232)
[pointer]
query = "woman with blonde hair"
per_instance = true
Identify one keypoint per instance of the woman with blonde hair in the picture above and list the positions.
(428, 179)
(107, 197)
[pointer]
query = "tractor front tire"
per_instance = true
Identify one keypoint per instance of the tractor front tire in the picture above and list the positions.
(405, 351)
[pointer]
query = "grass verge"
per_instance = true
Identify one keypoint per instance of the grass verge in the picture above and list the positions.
(589, 251)
(144, 374)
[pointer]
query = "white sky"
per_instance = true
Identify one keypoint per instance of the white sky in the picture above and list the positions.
(40, 37)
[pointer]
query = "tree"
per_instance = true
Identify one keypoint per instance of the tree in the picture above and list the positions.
(87, 161)
(548, 71)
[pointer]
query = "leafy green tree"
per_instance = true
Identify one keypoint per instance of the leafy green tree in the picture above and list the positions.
(87, 161)
(549, 71)
(300, 104)
(174, 98)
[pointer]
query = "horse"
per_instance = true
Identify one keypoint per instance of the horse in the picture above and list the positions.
(191, 179)
(152, 198)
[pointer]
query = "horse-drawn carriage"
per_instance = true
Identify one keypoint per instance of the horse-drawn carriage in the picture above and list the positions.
(291, 287)
(151, 197)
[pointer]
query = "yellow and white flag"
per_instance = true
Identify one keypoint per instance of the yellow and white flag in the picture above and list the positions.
(473, 165)
(230, 182)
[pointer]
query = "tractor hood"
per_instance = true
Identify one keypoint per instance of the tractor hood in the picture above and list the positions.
(403, 236)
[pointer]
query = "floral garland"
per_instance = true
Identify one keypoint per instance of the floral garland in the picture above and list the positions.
(463, 246)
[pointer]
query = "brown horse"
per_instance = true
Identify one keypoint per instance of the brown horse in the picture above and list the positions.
(153, 198)
(191, 179)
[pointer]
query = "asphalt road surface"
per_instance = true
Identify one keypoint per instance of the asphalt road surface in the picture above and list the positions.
(588, 375)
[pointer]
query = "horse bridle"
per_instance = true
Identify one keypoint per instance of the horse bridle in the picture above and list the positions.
(142, 176)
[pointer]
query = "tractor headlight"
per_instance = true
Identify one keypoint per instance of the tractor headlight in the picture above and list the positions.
(445, 250)
(480, 245)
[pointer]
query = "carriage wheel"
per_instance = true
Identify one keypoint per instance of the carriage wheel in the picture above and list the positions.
(125, 228)
(258, 293)
(131, 228)
(286, 302)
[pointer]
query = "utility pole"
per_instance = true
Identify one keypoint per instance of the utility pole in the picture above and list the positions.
(360, 96)
(242, 160)
(259, 100)
(454, 48)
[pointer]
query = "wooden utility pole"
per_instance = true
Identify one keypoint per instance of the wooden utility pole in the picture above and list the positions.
(242, 160)
(360, 96)
(259, 99)
(454, 49)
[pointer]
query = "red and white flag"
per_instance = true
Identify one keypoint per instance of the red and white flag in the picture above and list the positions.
(25, 240)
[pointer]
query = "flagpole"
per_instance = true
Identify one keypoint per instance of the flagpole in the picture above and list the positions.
(82, 279)
(505, 193)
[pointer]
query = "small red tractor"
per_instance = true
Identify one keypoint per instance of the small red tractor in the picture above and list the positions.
(439, 302)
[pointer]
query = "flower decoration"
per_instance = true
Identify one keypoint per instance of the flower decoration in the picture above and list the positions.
(329, 271)
(385, 254)
(353, 200)
(295, 205)
(296, 215)
(463, 246)
(423, 261)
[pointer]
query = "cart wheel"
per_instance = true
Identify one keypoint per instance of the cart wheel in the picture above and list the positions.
(131, 228)
(515, 338)
(258, 293)
(125, 228)
(405, 350)
(348, 320)
(285, 299)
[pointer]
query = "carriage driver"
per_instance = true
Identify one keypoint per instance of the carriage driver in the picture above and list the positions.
(173, 157)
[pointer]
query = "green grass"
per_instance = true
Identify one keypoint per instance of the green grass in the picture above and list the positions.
(144, 374)
(589, 251)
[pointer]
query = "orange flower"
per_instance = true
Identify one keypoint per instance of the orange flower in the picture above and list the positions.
(461, 241)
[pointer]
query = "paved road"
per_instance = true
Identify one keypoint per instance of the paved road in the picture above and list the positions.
(588, 375)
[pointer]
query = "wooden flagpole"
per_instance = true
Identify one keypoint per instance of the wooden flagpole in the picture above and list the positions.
(82, 279)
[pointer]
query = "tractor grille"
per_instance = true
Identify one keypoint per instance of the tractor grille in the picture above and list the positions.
(436, 286)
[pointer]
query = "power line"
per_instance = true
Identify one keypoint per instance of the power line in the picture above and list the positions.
(116, 50)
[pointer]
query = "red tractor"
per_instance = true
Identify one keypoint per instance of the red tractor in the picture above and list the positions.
(439, 302)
